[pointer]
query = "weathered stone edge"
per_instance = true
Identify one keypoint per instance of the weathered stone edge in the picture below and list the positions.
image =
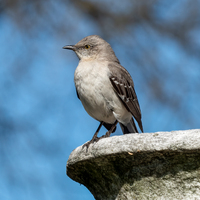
(145, 142)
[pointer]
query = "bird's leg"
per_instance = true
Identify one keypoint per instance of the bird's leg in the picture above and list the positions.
(110, 131)
(96, 133)
(94, 138)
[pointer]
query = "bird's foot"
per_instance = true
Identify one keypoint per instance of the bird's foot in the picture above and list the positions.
(105, 136)
(87, 144)
(95, 139)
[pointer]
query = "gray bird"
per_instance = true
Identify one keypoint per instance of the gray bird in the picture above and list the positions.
(104, 87)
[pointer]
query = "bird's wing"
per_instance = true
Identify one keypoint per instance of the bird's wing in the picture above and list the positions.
(124, 88)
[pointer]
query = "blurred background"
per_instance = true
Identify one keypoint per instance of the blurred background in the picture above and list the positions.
(41, 118)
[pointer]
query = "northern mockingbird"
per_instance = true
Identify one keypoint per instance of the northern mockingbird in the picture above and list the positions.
(104, 87)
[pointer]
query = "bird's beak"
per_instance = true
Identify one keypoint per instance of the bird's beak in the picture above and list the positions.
(70, 47)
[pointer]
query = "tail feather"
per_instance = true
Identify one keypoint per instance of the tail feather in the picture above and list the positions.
(129, 128)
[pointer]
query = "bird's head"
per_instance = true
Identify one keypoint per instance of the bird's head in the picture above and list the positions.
(92, 47)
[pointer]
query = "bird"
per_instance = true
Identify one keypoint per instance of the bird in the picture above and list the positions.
(105, 87)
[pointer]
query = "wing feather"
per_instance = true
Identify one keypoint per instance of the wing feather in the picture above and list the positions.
(124, 88)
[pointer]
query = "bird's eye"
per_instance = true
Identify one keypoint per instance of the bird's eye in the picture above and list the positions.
(87, 46)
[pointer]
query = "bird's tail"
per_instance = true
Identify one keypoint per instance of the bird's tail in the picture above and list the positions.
(129, 128)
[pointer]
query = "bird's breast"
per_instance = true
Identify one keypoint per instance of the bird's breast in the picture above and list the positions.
(94, 90)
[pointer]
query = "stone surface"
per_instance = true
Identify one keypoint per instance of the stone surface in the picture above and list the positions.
(162, 165)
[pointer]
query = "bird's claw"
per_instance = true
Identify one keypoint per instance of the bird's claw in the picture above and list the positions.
(96, 139)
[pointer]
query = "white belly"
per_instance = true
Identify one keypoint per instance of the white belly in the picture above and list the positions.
(97, 95)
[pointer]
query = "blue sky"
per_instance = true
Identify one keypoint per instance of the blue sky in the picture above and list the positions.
(42, 120)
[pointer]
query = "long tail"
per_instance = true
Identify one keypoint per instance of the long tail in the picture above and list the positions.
(129, 128)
